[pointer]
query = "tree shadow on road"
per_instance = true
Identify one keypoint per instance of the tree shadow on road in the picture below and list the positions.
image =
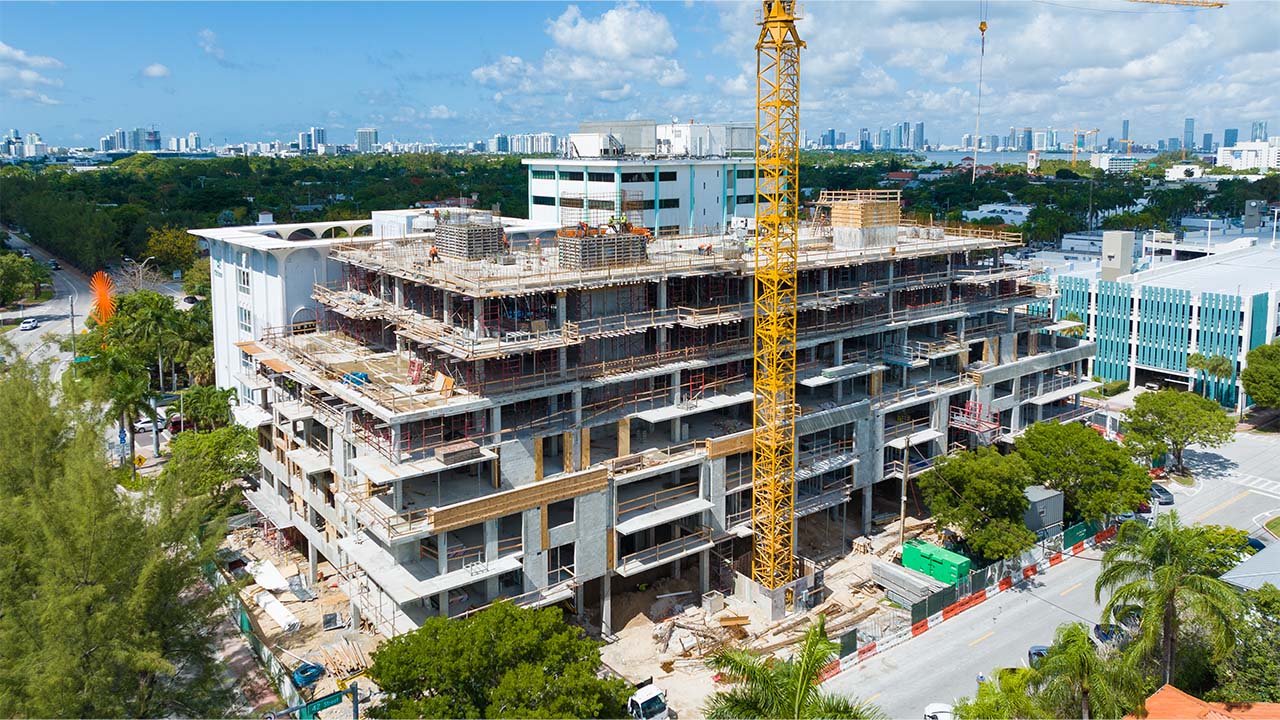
(1209, 465)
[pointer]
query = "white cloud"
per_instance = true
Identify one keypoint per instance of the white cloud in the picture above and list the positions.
(32, 96)
(441, 112)
(21, 73)
(207, 40)
(624, 32)
(156, 70)
(10, 55)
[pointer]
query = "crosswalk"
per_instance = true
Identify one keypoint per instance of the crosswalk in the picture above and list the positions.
(1256, 484)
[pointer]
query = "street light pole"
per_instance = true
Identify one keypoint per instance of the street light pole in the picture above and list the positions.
(71, 305)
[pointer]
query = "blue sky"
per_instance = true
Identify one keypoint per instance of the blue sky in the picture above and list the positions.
(461, 71)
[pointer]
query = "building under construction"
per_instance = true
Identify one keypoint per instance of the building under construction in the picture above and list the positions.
(476, 409)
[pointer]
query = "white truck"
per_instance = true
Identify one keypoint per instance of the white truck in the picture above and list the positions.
(648, 702)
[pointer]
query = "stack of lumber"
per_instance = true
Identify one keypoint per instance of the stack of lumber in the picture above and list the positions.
(344, 658)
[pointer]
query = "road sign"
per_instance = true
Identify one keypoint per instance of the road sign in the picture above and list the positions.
(320, 703)
(83, 358)
(124, 439)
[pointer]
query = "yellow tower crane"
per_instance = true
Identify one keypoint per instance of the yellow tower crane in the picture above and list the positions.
(776, 255)
(1076, 136)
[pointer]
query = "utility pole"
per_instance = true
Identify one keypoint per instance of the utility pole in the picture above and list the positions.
(71, 306)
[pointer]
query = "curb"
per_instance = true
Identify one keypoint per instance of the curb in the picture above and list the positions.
(868, 651)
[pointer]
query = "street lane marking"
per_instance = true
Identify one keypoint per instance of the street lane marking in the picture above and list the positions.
(872, 698)
(984, 637)
(1068, 590)
(1222, 506)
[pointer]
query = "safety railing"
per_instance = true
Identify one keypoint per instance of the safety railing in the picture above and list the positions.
(922, 390)
(576, 330)
(459, 555)
(649, 502)
(510, 546)
(663, 552)
(1057, 381)
(657, 456)
(905, 428)
(563, 578)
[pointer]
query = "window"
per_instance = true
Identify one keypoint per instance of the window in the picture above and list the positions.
(669, 230)
(246, 320)
(667, 176)
(570, 174)
(669, 203)
(542, 174)
(746, 174)
(637, 177)
(543, 200)
(570, 202)
(637, 204)
(560, 513)
(242, 280)
(601, 205)
(746, 199)
(600, 177)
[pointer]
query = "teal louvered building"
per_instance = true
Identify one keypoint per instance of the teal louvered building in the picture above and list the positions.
(1146, 324)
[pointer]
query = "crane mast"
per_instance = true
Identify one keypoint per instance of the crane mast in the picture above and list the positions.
(776, 252)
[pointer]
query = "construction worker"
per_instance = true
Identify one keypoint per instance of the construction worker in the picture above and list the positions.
(435, 255)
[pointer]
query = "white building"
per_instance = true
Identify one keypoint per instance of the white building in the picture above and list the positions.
(1183, 171)
(666, 195)
(1010, 213)
(366, 140)
(1112, 163)
(1251, 155)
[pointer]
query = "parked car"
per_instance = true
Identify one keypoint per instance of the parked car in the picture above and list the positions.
(1256, 544)
(1035, 654)
(178, 424)
(1126, 517)
(191, 299)
(26, 253)
(1107, 633)
(143, 425)
(29, 324)
(1161, 495)
(1143, 508)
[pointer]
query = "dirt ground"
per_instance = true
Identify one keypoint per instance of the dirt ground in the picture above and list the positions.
(310, 641)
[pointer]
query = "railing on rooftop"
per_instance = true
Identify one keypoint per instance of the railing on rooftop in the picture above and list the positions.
(662, 552)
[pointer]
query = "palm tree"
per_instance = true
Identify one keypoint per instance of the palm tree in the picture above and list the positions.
(126, 389)
(1218, 367)
(1074, 677)
(154, 325)
(1166, 570)
(767, 688)
(1006, 696)
(1079, 330)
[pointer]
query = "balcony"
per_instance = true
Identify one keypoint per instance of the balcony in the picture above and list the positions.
(1053, 388)
(408, 582)
(638, 508)
(652, 557)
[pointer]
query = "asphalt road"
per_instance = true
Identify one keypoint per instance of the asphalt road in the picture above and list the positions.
(54, 315)
(1238, 485)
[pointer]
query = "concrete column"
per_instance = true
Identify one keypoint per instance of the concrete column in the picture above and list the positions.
(606, 604)
(675, 400)
(704, 571)
(442, 545)
(866, 510)
(477, 322)
(562, 308)
(448, 309)
(399, 297)
(490, 555)
(312, 576)
(664, 343)
(395, 444)
(824, 279)
(713, 473)
(397, 495)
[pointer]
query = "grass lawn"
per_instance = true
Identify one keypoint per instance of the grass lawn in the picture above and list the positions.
(1273, 525)
(6, 326)
(1183, 480)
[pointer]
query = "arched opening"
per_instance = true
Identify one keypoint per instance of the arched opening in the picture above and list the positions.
(365, 230)
(302, 234)
(335, 232)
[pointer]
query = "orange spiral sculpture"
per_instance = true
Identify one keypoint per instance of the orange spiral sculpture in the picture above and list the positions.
(104, 297)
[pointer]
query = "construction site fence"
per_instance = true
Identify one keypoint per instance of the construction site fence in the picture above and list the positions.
(1014, 569)
(275, 668)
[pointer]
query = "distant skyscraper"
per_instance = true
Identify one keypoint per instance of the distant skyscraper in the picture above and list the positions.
(1259, 131)
(829, 138)
(918, 137)
(318, 138)
(1189, 133)
(1124, 129)
(499, 144)
(1230, 136)
(151, 140)
(366, 139)
(304, 141)
(1174, 144)
(1162, 145)
(1207, 144)
(897, 136)
(840, 139)
(193, 141)
(864, 139)
(120, 140)
(106, 143)
(884, 138)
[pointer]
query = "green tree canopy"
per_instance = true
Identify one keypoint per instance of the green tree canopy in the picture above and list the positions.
(762, 687)
(1171, 421)
(1097, 478)
(1007, 695)
(1075, 678)
(504, 661)
(1166, 576)
(980, 494)
(196, 280)
(172, 247)
(1252, 672)
(1261, 374)
(105, 613)
(208, 464)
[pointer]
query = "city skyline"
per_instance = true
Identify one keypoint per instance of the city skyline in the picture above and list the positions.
(535, 67)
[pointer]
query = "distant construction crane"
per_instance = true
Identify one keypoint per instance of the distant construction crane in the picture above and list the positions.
(1076, 134)
(776, 255)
